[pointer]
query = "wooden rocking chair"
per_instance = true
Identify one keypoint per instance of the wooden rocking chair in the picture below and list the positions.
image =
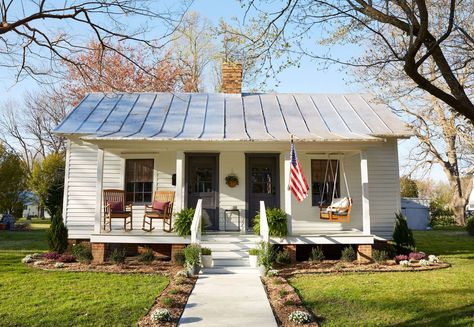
(161, 208)
(115, 207)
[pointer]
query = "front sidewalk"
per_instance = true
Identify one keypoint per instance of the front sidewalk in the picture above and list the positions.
(229, 299)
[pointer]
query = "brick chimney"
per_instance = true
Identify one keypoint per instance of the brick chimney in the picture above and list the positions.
(231, 78)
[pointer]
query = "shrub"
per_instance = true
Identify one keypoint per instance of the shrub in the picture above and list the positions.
(299, 317)
(416, 256)
(167, 301)
(402, 235)
(424, 262)
(147, 256)
(179, 258)
(282, 293)
(266, 255)
(51, 256)
(433, 259)
(400, 257)
(206, 251)
(57, 234)
(173, 292)
(253, 252)
(441, 214)
(183, 221)
(82, 253)
(272, 273)
(27, 259)
(380, 256)
(283, 258)
(348, 254)
(59, 265)
(192, 254)
(277, 222)
(118, 256)
(404, 263)
(180, 280)
(317, 254)
(182, 273)
(339, 266)
(470, 226)
(66, 258)
(161, 315)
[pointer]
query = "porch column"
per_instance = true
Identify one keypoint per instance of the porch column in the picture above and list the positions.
(286, 179)
(98, 190)
(364, 176)
(179, 181)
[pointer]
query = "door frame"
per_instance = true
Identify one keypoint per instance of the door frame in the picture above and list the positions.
(248, 157)
(215, 155)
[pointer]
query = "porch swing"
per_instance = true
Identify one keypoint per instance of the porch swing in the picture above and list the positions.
(340, 208)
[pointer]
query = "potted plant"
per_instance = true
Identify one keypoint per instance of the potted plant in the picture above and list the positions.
(206, 257)
(192, 255)
(253, 256)
(232, 180)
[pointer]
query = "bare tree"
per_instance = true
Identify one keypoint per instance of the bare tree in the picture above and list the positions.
(36, 34)
(194, 50)
(28, 127)
(410, 34)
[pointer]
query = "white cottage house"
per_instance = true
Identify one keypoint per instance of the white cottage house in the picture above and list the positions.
(190, 143)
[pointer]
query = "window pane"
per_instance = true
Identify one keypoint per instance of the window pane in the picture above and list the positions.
(139, 179)
(323, 173)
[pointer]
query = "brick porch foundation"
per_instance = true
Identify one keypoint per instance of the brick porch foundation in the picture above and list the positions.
(176, 248)
(291, 249)
(99, 252)
(364, 253)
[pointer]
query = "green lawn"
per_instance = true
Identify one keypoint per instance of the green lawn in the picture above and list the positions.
(432, 298)
(31, 297)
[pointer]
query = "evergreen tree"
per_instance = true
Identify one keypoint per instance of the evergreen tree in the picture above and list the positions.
(57, 234)
(402, 235)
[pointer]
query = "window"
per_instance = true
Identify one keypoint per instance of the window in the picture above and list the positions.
(318, 170)
(139, 180)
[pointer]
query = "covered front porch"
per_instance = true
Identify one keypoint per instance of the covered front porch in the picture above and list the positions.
(197, 170)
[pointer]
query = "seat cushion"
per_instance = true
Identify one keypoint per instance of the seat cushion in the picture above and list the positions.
(116, 206)
(339, 205)
(160, 206)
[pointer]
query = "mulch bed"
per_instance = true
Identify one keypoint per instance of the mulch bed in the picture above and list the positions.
(336, 266)
(179, 290)
(284, 300)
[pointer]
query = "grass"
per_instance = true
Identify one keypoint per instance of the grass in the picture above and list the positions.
(32, 297)
(432, 298)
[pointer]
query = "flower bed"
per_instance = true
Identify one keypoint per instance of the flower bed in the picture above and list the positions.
(286, 303)
(336, 266)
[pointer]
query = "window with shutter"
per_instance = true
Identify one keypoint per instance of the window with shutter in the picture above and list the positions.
(139, 180)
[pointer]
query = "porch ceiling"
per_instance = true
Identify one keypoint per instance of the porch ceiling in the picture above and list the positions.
(230, 117)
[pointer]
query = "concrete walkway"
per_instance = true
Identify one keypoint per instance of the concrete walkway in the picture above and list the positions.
(233, 298)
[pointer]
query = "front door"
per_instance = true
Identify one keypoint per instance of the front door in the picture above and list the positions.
(202, 183)
(262, 183)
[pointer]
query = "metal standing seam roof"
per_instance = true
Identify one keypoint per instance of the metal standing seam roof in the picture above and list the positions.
(237, 117)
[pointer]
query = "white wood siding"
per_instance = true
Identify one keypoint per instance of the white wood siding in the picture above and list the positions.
(384, 188)
(80, 191)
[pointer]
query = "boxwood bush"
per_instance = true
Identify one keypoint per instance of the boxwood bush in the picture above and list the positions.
(276, 222)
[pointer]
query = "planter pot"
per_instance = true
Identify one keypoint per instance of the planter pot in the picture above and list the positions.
(262, 270)
(207, 261)
(232, 184)
(194, 270)
(253, 261)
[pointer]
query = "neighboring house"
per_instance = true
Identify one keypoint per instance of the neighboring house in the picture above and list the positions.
(417, 212)
(193, 141)
(30, 204)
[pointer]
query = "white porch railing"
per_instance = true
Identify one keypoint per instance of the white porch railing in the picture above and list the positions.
(196, 224)
(264, 229)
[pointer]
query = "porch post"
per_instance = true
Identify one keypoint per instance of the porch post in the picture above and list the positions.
(364, 174)
(286, 178)
(98, 190)
(179, 180)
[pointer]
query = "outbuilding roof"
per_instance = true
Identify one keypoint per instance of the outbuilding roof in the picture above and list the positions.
(239, 117)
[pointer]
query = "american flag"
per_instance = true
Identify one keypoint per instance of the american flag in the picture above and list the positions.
(298, 185)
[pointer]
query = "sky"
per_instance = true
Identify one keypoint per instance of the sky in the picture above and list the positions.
(307, 78)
